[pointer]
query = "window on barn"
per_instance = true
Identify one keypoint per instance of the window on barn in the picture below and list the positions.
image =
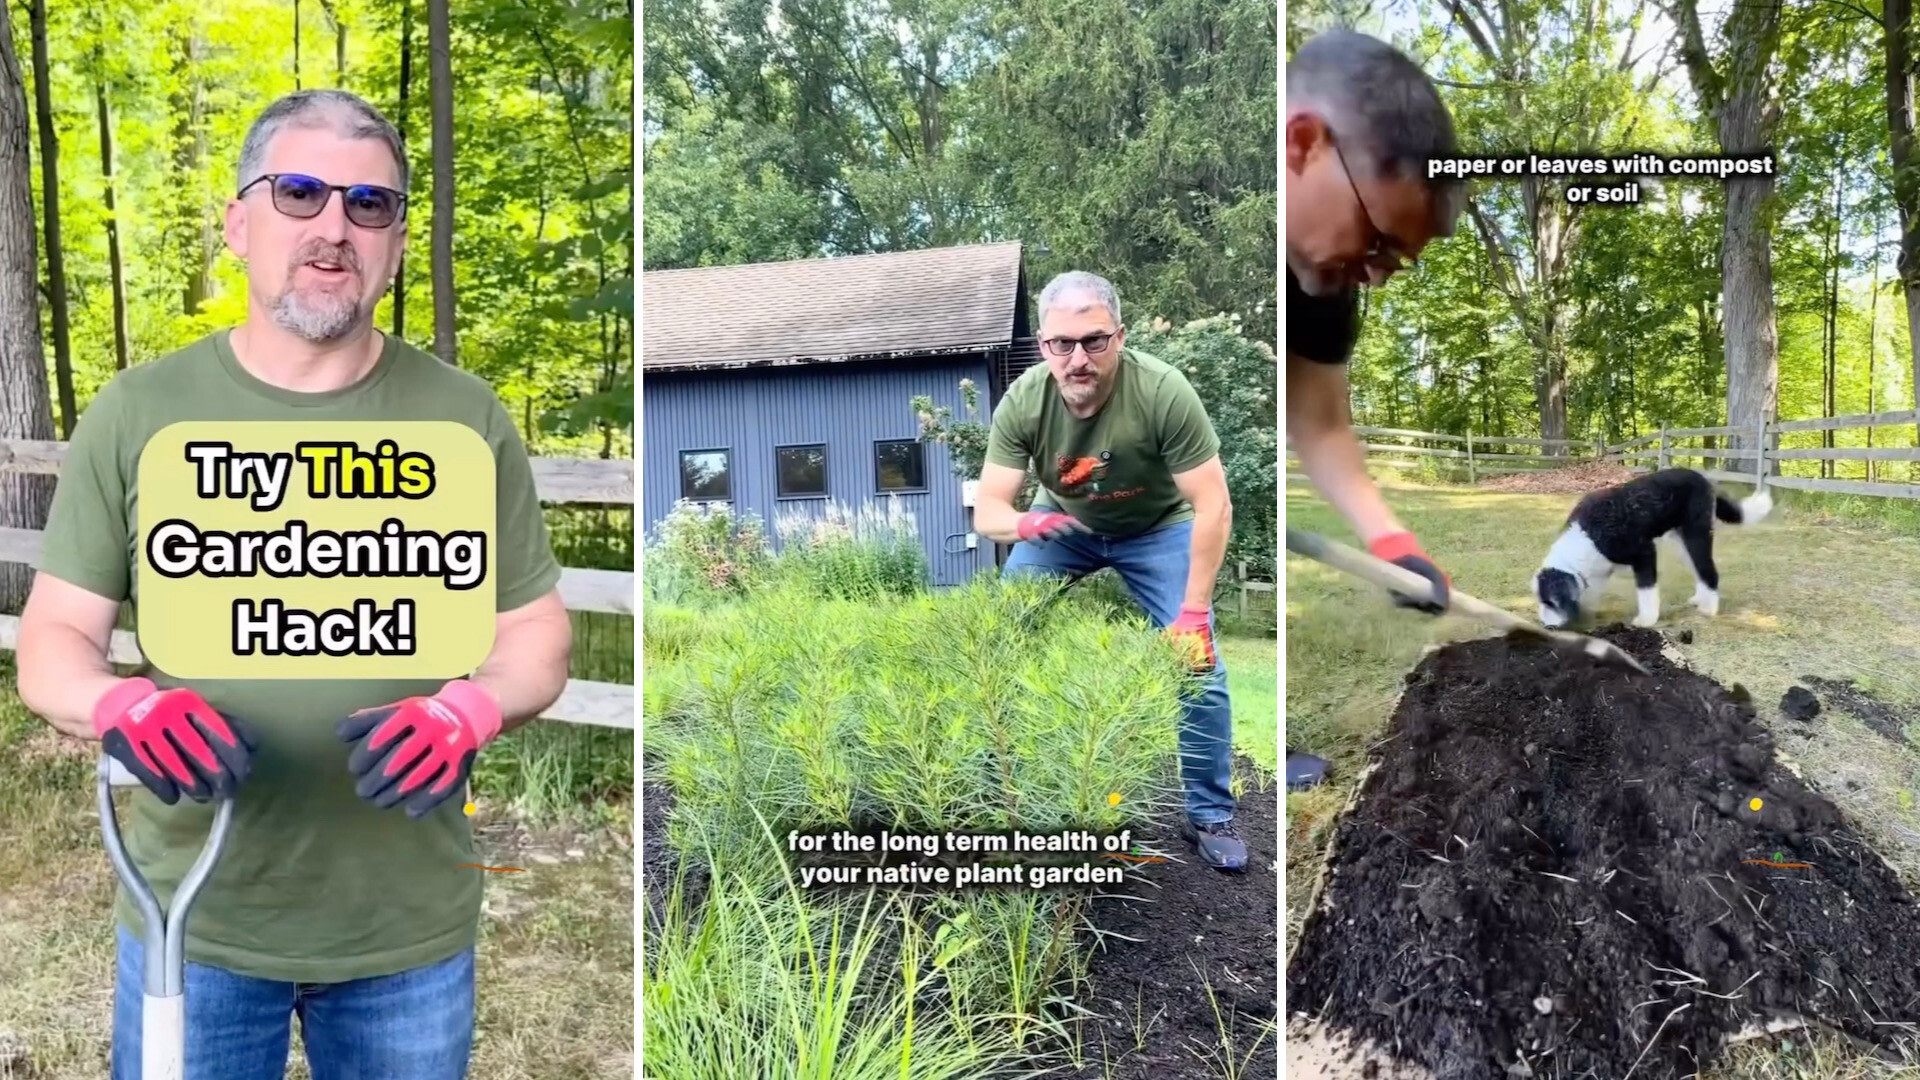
(900, 465)
(801, 471)
(706, 475)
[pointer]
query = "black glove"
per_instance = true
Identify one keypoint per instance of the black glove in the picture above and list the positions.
(1402, 550)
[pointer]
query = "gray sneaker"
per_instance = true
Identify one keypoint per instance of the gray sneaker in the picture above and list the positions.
(1219, 844)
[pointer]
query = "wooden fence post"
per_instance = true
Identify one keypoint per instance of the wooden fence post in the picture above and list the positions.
(1760, 455)
(1666, 456)
(1599, 450)
(1241, 578)
(1473, 474)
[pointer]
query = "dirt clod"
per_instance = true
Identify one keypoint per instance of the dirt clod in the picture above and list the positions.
(1882, 718)
(1650, 866)
(1800, 704)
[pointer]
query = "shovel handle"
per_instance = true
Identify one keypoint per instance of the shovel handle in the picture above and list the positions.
(163, 1037)
(1396, 578)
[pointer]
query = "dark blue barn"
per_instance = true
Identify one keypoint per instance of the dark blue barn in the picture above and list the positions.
(775, 386)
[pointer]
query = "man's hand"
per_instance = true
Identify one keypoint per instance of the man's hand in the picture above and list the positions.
(173, 741)
(420, 749)
(1403, 550)
(1195, 633)
(1038, 526)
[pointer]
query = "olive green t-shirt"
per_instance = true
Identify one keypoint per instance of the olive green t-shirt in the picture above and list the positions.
(314, 885)
(1113, 471)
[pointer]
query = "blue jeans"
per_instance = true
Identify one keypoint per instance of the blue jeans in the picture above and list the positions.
(1154, 567)
(416, 1025)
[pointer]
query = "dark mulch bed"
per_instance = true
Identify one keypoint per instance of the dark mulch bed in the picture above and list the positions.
(1180, 926)
(1559, 865)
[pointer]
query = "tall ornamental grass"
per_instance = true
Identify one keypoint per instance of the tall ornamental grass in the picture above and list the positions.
(852, 552)
(761, 979)
(980, 708)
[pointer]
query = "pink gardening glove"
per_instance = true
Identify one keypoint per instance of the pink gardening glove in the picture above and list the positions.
(420, 749)
(1192, 624)
(1040, 525)
(173, 741)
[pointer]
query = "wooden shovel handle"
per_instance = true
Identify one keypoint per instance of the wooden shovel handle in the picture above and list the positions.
(1397, 578)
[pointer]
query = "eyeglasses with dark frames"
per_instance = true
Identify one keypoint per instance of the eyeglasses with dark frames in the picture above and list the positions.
(1382, 249)
(1095, 344)
(296, 195)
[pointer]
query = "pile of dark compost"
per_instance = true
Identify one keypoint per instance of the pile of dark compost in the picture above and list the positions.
(1557, 869)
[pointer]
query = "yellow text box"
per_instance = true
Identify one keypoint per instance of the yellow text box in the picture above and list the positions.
(316, 550)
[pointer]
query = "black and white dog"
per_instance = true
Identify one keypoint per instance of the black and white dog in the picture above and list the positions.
(1617, 527)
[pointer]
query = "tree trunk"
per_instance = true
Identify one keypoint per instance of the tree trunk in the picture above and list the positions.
(339, 43)
(1896, 25)
(193, 223)
(296, 44)
(25, 412)
(1873, 339)
(1740, 102)
(50, 200)
(406, 81)
(113, 229)
(1830, 373)
(440, 79)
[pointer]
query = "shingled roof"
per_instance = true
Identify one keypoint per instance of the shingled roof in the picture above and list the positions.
(941, 300)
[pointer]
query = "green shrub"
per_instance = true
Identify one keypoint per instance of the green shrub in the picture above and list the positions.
(851, 552)
(978, 708)
(1236, 378)
(703, 552)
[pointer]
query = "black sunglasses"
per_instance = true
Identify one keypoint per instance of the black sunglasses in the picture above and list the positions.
(1383, 250)
(1095, 344)
(369, 206)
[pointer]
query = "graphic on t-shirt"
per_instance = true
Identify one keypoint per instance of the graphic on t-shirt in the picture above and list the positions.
(1077, 472)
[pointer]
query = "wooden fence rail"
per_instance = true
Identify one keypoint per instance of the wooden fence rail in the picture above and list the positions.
(1659, 449)
(570, 481)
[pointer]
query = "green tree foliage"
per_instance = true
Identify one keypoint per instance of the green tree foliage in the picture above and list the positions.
(1634, 292)
(544, 153)
(1234, 377)
(1127, 137)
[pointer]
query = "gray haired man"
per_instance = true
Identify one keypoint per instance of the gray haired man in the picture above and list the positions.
(341, 896)
(1130, 478)
(1362, 122)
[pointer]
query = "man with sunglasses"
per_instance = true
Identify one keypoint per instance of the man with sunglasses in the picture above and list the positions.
(1362, 121)
(1130, 478)
(341, 895)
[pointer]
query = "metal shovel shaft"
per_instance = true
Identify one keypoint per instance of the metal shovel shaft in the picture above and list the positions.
(163, 1005)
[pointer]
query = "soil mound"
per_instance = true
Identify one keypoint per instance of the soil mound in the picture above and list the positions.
(1571, 480)
(1580, 871)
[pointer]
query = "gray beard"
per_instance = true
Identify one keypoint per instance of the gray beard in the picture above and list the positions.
(1078, 395)
(318, 317)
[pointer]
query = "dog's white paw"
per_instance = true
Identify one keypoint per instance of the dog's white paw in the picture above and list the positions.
(1644, 620)
(1707, 600)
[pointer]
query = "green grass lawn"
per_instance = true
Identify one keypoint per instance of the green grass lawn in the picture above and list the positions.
(555, 963)
(1251, 674)
(1802, 594)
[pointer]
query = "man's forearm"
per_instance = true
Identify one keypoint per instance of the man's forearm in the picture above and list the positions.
(62, 676)
(527, 669)
(1337, 466)
(996, 519)
(1211, 527)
